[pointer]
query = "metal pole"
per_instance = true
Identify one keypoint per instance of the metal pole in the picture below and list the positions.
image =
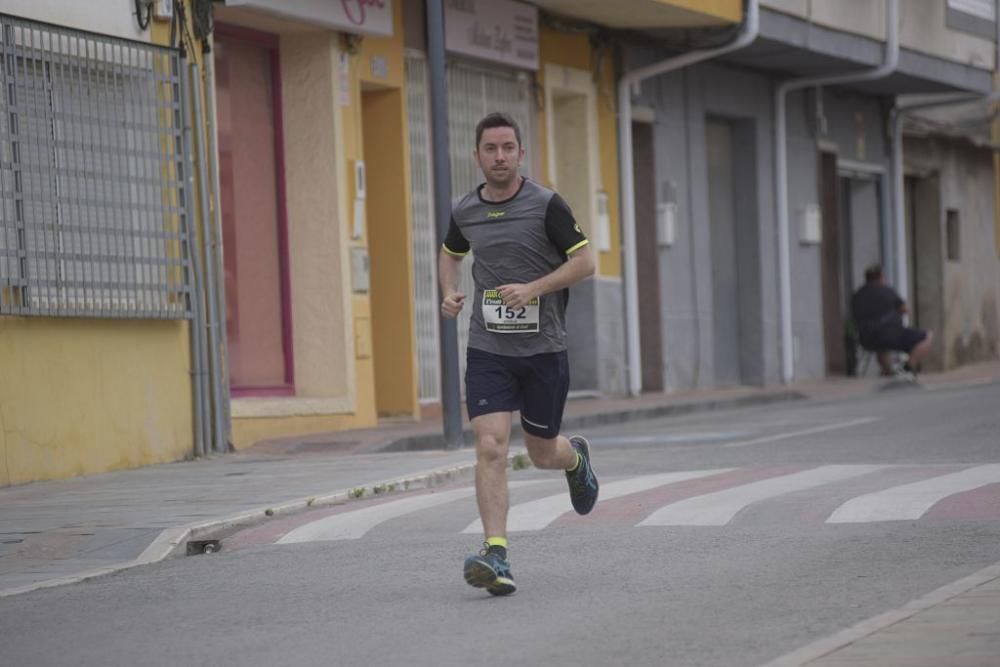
(451, 396)
(218, 249)
(215, 347)
(201, 433)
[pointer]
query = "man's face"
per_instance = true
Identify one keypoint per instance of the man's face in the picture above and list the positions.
(499, 155)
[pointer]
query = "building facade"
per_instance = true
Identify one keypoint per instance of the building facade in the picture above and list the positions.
(712, 128)
(96, 234)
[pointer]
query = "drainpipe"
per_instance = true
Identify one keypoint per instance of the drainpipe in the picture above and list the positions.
(218, 423)
(628, 84)
(887, 67)
(184, 119)
(902, 277)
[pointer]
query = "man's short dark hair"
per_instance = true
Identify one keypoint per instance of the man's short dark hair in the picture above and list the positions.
(873, 273)
(497, 119)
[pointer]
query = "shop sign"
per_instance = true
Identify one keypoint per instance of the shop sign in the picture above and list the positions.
(501, 31)
(370, 17)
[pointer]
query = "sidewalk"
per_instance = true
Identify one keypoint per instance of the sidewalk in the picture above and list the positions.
(64, 531)
(958, 624)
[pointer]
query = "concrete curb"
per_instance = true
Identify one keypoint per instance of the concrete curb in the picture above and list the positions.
(173, 541)
(432, 441)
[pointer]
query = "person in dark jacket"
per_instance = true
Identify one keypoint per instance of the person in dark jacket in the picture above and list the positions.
(878, 312)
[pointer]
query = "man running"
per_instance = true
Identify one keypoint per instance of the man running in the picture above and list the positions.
(528, 250)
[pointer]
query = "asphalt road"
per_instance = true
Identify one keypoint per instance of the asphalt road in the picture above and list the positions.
(727, 538)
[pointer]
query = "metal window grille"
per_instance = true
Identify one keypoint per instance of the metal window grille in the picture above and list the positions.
(473, 91)
(425, 248)
(93, 221)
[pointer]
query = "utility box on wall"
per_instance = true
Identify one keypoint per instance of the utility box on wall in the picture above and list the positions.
(666, 224)
(810, 225)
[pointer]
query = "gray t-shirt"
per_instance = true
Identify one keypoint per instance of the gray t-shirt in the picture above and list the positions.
(515, 241)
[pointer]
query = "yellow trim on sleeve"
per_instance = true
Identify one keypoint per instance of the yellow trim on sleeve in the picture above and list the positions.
(577, 246)
(452, 252)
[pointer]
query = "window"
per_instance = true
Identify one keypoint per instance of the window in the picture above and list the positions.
(93, 221)
(954, 235)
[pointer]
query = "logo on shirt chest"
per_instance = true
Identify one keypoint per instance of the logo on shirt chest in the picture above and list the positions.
(496, 214)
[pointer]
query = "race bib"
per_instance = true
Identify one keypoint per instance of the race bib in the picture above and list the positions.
(500, 318)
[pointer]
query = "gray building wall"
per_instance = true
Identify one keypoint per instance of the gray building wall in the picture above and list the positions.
(683, 100)
(596, 340)
(850, 124)
(971, 289)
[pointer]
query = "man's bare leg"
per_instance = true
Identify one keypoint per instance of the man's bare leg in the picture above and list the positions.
(550, 453)
(492, 442)
(884, 361)
(920, 351)
(559, 453)
(490, 569)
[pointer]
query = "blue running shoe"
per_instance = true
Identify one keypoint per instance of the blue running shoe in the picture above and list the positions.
(490, 569)
(583, 486)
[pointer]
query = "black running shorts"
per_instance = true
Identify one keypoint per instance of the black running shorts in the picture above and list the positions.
(535, 385)
(900, 339)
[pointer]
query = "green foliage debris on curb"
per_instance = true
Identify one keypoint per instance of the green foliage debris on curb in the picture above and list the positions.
(520, 462)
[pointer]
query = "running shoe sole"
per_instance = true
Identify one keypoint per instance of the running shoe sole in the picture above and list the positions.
(480, 574)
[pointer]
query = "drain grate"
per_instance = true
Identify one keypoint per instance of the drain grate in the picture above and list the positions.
(197, 547)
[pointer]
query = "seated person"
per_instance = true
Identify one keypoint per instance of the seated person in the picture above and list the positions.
(878, 312)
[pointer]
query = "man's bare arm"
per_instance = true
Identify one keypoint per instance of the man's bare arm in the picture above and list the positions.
(578, 266)
(448, 273)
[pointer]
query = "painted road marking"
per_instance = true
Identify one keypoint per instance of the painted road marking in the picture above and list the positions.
(538, 514)
(808, 431)
(352, 525)
(718, 509)
(702, 498)
(912, 501)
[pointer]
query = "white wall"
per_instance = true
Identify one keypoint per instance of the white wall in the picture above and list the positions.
(108, 17)
(923, 27)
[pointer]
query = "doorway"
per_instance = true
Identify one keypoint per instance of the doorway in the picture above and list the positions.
(852, 233)
(735, 255)
(254, 226)
(387, 216)
(647, 257)
(839, 359)
(922, 198)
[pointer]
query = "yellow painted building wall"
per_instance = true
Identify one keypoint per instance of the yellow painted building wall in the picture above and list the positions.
(729, 10)
(574, 50)
(80, 396)
(85, 396)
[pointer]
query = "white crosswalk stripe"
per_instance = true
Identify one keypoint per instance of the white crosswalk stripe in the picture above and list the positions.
(537, 514)
(906, 501)
(718, 509)
(911, 501)
(352, 525)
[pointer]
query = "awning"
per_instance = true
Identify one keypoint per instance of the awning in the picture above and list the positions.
(648, 13)
(799, 48)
